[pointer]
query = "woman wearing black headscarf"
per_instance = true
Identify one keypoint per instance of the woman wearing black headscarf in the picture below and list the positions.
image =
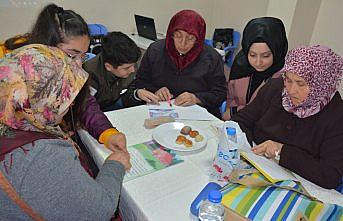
(264, 47)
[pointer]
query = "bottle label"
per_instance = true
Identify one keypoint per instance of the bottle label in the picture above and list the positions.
(227, 158)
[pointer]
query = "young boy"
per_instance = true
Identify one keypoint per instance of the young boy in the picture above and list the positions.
(113, 70)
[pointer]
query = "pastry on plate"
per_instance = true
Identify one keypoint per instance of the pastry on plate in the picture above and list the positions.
(180, 139)
(193, 133)
(199, 138)
(185, 130)
(188, 143)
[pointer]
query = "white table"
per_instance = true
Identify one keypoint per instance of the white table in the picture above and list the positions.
(167, 194)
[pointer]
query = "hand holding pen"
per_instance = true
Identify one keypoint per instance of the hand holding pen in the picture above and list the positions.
(164, 94)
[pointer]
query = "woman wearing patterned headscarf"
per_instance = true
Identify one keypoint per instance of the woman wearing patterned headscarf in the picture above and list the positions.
(40, 173)
(264, 47)
(182, 67)
(300, 116)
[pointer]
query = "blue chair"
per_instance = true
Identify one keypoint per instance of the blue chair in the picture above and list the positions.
(96, 31)
(89, 56)
(340, 187)
(222, 108)
(228, 49)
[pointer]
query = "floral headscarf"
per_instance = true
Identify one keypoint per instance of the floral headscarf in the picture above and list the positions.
(321, 68)
(192, 23)
(37, 85)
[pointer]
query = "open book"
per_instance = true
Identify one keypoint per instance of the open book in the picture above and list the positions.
(270, 169)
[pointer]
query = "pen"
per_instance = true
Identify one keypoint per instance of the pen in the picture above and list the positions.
(169, 102)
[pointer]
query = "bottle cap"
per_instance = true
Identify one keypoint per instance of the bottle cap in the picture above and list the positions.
(231, 131)
(215, 196)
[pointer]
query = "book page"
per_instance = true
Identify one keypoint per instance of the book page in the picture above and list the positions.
(149, 157)
(270, 169)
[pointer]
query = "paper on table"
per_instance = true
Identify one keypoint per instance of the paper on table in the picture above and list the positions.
(194, 112)
(270, 169)
(149, 157)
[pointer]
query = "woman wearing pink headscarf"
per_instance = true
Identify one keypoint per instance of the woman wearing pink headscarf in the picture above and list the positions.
(300, 117)
(181, 67)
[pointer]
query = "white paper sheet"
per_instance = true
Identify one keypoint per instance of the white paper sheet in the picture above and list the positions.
(194, 112)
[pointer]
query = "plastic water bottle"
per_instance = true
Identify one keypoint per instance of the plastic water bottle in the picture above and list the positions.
(233, 151)
(212, 209)
(231, 134)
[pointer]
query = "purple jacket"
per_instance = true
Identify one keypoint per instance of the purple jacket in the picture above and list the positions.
(94, 119)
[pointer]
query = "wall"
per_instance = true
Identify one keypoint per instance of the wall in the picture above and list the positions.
(283, 10)
(119, 14)
(303, 23)
(306, 21)
(328, 28)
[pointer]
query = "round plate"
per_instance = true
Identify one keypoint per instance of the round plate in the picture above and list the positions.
(166, 135)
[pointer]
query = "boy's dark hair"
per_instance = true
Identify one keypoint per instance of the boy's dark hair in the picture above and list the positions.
(118, 49)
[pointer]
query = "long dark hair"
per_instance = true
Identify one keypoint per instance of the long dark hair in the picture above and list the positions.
(55, 25)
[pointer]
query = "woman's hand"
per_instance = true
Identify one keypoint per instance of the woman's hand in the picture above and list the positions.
(186, 99)
(117, 142)
(164, 94)
(147, 96)
(122, 157)
(269, 149)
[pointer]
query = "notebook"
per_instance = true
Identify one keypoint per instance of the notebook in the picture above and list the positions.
(146, 27)
(270, 169)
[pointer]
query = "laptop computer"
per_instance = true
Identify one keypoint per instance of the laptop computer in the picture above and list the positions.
(146, 27)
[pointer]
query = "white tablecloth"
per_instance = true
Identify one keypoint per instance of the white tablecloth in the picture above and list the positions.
(167, 194)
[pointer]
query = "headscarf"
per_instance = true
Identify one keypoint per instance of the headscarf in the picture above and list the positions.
(267, 30)
(192, 23)
(37, 85)
(322, 69)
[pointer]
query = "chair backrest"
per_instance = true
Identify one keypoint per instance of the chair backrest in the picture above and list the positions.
(89, 56)
(96, 31)
(236, 39)
(222, 107)
(229, 50)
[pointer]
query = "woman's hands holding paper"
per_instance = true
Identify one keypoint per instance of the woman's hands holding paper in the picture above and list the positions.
(269, 149)
(147, 96)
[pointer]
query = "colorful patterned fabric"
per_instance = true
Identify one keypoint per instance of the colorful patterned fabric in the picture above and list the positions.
(321, 68)
(37, 85)
(272, 203)
(192, 23)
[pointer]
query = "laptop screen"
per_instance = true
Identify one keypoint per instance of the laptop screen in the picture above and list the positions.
(146, 27)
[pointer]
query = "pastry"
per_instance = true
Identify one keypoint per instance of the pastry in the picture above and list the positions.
(193, 133)
(199, 138)
(185, 130)
(188, 143)
(180, 139)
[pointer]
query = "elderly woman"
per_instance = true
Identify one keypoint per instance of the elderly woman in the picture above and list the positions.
(300, 116)
(40, 172)
(182, 67)
(264, 47)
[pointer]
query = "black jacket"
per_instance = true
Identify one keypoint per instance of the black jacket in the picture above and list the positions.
(108, 86)
(204, 77)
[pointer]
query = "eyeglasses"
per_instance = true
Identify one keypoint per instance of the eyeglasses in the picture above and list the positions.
(78, 57)
(189, 39)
